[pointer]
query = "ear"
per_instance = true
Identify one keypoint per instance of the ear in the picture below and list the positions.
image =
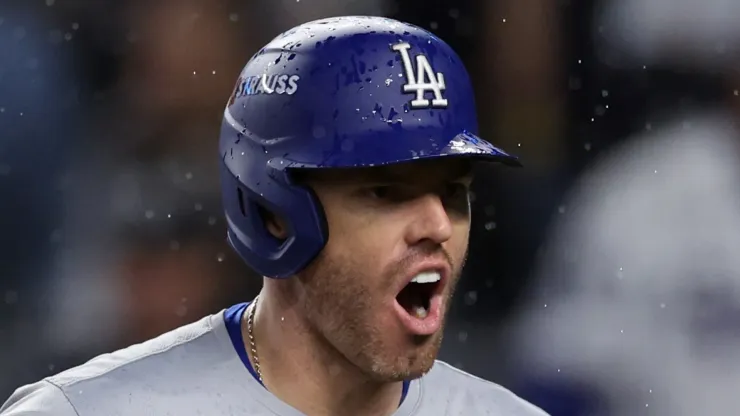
(275, 225)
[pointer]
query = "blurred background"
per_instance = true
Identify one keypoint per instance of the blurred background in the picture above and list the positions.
(603, 279)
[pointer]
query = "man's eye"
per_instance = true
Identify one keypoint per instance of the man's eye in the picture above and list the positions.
(380, 192)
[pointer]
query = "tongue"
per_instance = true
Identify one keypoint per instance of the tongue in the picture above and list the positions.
(413, 299)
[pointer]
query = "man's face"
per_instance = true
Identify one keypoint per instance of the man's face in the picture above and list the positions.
(386, 226)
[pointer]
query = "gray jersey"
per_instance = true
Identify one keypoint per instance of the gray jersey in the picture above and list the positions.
(195, 370)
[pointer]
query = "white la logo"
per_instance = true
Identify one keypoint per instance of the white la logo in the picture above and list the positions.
(424, 81)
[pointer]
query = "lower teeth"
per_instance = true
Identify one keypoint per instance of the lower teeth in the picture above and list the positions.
(420, 312)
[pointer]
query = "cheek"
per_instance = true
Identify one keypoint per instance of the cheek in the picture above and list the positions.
(365, 249)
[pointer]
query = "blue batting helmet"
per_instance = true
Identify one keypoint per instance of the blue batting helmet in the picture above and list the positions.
(339, 92)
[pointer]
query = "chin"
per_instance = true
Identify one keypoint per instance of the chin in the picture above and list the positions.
(401, 374)
(400, 367)
(418, 372)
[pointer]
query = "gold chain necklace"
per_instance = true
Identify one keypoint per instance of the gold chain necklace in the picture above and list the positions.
(252, 344)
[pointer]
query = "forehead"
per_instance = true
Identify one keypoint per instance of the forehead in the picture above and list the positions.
(415, 171)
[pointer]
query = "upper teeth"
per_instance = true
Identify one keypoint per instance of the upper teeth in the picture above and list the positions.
(426, 277)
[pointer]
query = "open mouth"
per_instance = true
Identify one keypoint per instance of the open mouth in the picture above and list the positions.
(416, 296)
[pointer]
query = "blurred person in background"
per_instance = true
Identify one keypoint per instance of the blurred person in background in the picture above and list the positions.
(39, 125)
(637, 308)
(118, 144)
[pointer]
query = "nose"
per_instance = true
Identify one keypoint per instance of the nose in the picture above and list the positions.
(430, 221)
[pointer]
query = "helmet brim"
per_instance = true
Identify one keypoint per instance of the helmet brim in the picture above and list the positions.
(464, 145)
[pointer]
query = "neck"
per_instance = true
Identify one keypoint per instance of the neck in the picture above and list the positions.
(302, 369)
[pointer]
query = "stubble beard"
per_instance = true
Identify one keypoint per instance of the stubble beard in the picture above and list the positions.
(340, 314)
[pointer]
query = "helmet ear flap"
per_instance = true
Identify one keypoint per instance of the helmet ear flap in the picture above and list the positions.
(273, 223)
(293, 211)
(262, 221)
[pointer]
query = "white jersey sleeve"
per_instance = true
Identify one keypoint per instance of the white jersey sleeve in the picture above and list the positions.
(38, 399)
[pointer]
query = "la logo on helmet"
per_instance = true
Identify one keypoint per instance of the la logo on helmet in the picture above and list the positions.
(424, 81)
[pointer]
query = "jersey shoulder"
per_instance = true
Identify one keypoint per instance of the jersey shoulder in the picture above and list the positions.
(41, 398)
(464, 393)
(134, 380)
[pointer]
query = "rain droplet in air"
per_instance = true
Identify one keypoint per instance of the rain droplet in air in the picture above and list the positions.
(471, 298)
(220, 257)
